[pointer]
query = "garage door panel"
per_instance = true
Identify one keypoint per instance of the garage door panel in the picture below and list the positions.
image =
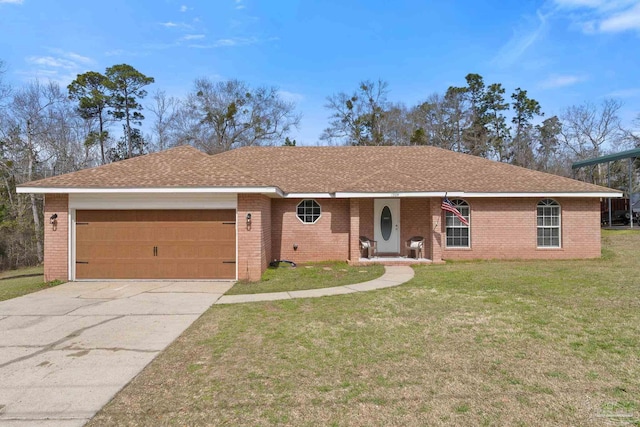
(112, 251)
(198, 231)
(127, 269)
(197, 250)
(141, 244)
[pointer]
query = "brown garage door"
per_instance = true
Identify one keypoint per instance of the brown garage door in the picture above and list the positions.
(156, 244)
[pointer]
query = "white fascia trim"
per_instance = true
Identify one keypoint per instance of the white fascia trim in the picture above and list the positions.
(462, 194)
(309, 196)
(563, 195)
(158, 190)
(399, 194)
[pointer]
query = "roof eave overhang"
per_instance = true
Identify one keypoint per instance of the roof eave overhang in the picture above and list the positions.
(450, 194)
(277, 192)
(269, 191)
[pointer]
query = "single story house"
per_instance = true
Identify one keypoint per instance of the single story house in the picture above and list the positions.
(183, 214)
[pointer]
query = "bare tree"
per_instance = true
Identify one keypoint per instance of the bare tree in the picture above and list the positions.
(631, 136)
(220, 116)
(588, 130)
(5, 89)
(41, 138)
(439, 121)
(165, 111)
(359, 118)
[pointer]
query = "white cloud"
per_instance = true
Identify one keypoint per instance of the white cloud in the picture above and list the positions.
(50, 61)
(72, 56)
(625, 93)
(561, 80)
(240, 5)
(623, 21)
(114, 52)
(178, 25)
(579, 3)
(120, 52)
(237, 41)
(183, 8)
(193, 37)
(231, 42)
(226, 42)
(60, 66)
(521, 41)
(62, 60)
(12, 1)
(602, 16)
(290, 96)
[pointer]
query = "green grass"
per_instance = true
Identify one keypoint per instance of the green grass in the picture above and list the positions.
(521, 343)
(13, 283)
(26, 271)
(307, 276)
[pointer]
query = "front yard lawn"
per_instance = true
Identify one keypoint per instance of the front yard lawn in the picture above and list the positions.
(307, 276)
(526, 343)
(15, 283)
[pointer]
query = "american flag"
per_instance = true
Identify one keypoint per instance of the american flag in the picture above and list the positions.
(448, 206)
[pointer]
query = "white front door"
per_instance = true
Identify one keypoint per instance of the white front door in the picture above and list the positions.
(386, 225)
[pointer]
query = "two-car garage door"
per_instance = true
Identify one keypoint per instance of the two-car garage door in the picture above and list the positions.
(155, 244)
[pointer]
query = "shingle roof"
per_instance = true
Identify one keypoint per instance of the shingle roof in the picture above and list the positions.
(322, 170)
(182, 166)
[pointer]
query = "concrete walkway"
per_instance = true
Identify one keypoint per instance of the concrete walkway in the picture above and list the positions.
(393, 276)
(66, 351)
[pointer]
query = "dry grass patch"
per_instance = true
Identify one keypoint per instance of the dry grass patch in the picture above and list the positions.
(480, 343)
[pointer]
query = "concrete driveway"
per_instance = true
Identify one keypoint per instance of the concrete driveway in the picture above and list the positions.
(66, 351)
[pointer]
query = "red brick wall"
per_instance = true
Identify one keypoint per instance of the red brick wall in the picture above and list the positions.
(366, 218)
(435, 225)
(415, 220)
(354, 229)
(254, 241)
(506, 229)
(56, 238)
(326, 239)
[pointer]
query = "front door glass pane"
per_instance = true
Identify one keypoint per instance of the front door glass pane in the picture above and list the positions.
(385, 223)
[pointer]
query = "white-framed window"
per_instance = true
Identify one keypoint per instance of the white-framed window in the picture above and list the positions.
(308, 211)
(457, 232)
(549, 222)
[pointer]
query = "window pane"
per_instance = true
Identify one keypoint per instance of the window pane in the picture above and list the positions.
(308, 211)
(548, 222)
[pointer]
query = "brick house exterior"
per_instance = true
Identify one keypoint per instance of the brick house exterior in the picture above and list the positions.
(270, 190)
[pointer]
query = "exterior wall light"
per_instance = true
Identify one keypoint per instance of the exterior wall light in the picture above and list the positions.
(53, 220)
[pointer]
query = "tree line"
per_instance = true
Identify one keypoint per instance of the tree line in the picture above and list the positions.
(46, 130)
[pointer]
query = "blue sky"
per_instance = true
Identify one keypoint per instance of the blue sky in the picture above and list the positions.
(562, 52)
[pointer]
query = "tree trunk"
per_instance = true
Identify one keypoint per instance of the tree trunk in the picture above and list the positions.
(101, 138)
(34, 210)
(128, 130)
